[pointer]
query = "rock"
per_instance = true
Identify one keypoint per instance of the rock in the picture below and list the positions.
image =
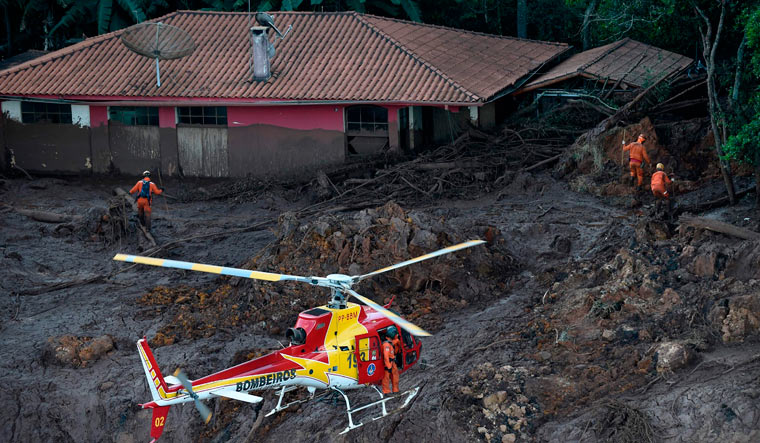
(670, 298)
(672, 356)
(561, 245)
(493, 401)
(742, 319)
(508, 438)
(704, 264)
(516, 411)
(608, 334)
(503, 428)
(482, 430)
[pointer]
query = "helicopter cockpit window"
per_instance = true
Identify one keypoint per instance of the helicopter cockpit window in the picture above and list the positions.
(408, 339)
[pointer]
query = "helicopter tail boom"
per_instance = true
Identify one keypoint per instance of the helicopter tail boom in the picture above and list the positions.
(156, 382)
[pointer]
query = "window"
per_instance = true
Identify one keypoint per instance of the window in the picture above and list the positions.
(45, 112)
(134, 115)
(205, 115)
(367, 119)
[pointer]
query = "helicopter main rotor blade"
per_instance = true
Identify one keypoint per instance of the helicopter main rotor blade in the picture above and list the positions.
(235, 272)
(395, 318)
(468, 244)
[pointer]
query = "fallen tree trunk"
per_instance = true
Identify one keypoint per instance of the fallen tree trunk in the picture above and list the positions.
(718, 226)
(48, 217)
(543, 162)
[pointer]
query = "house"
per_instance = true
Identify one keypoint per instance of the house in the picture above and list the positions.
(615, 69)
(342, 85)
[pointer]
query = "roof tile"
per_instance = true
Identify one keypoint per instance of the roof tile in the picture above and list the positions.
(326, 56)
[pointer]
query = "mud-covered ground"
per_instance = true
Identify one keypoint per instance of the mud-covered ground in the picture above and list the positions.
(580, 320)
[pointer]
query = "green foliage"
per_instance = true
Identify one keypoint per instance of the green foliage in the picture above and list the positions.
(744, 144)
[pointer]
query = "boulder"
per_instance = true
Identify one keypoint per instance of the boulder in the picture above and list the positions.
(672, 356)
(741, 319)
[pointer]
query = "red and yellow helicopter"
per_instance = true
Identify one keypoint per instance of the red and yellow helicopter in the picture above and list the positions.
(334, 347)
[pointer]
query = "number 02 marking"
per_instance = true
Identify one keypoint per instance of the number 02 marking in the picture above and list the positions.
(159, 422)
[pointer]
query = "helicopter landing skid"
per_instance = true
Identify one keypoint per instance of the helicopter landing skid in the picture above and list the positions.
(408, 396)
(283, 391)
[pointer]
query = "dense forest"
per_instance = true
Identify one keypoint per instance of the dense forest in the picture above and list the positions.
(723, 36)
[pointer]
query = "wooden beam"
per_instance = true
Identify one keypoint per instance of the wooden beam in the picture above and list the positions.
(718, 226)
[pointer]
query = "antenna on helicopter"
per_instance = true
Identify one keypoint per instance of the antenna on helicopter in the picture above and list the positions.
(158, 41)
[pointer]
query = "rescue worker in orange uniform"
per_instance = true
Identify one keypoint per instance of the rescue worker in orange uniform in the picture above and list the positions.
(389, 360)
(145, 190)
(660, 182)
(638, 155)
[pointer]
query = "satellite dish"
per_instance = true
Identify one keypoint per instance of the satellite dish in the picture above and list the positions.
(158, 41)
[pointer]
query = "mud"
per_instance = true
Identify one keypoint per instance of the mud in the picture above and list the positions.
(580, 320)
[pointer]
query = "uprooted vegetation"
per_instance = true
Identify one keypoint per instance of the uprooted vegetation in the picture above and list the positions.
(351, 245)
(579, 320)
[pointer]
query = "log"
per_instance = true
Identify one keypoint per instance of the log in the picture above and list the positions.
(48, 217)
(543, 162)
(718, 226)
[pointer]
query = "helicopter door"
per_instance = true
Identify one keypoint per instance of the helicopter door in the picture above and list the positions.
(369, 358)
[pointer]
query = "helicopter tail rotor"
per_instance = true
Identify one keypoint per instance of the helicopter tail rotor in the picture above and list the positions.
(199, 405)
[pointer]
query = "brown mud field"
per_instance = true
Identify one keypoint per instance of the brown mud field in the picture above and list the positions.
(583, 318)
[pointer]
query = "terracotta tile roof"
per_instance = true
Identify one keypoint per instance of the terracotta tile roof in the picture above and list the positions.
(342, 56)
(628, 61)
(21, 58)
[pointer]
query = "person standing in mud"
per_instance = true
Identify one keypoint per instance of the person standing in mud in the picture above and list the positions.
(660, 182)
(389, 360)
(145, 190)
(638, 155)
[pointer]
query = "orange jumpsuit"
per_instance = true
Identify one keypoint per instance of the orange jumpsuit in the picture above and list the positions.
(143, 204)
(660, 181)
(391, 370)
(638, 155)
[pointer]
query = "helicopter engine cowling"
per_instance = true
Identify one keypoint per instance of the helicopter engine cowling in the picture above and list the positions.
(296, 336)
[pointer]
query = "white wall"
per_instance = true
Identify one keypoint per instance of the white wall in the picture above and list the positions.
(80, 115)
(13, 109)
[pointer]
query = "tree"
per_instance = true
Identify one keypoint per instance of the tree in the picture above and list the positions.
(710, 43)
(522, 18)
(744, 144)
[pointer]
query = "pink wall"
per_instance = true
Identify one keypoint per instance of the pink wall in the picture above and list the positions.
(98, 116)
(166, 117)
(294, 117)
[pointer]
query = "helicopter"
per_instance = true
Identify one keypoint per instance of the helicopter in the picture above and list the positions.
(335, 347)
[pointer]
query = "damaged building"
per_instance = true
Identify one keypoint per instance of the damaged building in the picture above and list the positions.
(606, 74)
(341, 86)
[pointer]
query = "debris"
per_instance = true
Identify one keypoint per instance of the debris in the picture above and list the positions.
(48, 217)
(718, 226)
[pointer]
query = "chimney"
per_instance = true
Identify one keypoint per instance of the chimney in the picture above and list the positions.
(262, 52)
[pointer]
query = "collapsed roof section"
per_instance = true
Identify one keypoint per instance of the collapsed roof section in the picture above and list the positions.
(627, 62)
(327, 57)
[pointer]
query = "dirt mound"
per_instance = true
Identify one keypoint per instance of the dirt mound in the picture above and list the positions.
(353, 244)
(76, 352)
